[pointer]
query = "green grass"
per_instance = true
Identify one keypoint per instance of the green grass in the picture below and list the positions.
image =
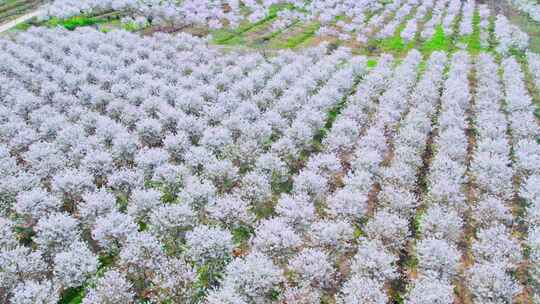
(274, 35)
(531, 28)
(473, 41)
(24, 26)
(235, 36)
(75, 22)
(394, 43)
(531, 85)
(421, 68)
(131, 27)
(15, 5)
(474, 45)
(5, 2)
(106, 22)
(117, 24)
(73, 296)
(10, 2)
(242, 234)
(297, 40)
(439, 42)
(12, 9)
(340, 18)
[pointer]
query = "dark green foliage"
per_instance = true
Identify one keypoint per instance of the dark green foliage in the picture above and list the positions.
(72, 296)
(25, 235)
(242, 234)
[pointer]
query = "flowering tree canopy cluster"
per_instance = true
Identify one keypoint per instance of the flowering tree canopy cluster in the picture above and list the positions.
(160, 169)
(360, 22)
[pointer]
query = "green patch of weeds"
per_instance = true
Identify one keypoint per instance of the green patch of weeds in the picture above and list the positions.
(411, 263)
(203, 280)
(235, 36)
(332, 115)
(474, 43)
(208, 275)
(492, 40)
(131, 26)
(358, 232)
(263, 40)
(416, 224)
(279, 186)
(397, 298)
(332, 46)
(299, 40)
(142, 226)
(371, 63)
(529, 26)
(264, 210)
(73, 296)
(25, 234)
(231, 37)
(105, 261)
(395, 44)
(128, 26)
(422, 68)
(338, 18)
(24, 26)
(439, 42)
(79, 21)
(75, 22)
(242, 234)
(275, 294)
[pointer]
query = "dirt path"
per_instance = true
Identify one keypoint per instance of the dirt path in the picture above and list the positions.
(11, 24)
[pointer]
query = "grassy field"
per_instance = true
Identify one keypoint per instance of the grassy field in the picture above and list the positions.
(300, 34)
(530, 27)
(11, 9)
(524, 22)
(263, 35)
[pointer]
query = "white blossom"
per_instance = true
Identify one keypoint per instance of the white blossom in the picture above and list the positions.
(208, 244)
(111, 231)
(489, 283)
(73, 266)
(31, 292)
(253, 276)
(432, 291)
(313, 267)
(373, 261)
(111, 288)
(275, 237)
(362, 290)
(56, 232)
